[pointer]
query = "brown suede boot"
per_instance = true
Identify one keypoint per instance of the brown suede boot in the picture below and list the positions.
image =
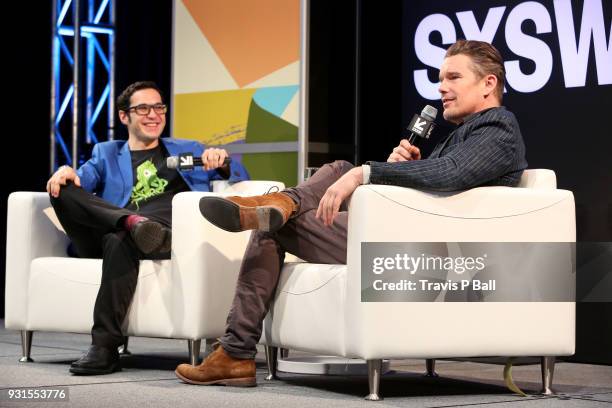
(267, 212)
(219, 368)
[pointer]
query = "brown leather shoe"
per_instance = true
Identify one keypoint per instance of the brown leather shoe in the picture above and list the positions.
(219, 368)
(267, 212)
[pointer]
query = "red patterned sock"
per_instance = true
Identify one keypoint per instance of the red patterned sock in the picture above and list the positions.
(131, 221)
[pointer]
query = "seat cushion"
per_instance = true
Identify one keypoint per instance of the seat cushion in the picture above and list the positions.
(308, 309)
(538, 178)
(62, 292)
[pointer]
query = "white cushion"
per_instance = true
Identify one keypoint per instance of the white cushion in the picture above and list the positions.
(69, 287)
(538, 178)
(307, 312)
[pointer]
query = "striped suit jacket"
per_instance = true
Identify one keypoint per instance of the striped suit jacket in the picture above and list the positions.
(486, 149)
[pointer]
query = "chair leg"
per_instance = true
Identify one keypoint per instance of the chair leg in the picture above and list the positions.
(271, 361)
(194, 351)
(374, 373)
(123, 349)
(26, 346)
(548, 369)
(430, 365)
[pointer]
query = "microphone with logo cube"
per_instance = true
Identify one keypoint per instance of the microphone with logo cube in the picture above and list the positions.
(421, 126)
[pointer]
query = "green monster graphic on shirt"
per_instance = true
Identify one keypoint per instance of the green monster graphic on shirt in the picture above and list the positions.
(148, 184)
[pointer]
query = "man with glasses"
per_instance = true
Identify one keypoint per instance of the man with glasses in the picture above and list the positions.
(118, 206)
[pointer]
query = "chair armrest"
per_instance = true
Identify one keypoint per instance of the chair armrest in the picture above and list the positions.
(206, 261)
(486, 214)
(30, 234)
(391, 213)
(247, 187)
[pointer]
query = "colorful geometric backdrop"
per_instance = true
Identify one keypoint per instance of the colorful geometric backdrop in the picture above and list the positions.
(236, 78)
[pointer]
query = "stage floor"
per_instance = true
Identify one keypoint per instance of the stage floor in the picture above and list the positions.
(147, 379)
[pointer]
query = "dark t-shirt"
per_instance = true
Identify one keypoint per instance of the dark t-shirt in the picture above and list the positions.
(154, 185)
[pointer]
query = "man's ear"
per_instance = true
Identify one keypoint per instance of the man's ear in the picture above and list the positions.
(124, 117)
(490, 83)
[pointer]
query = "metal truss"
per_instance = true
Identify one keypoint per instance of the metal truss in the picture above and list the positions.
(77, 24)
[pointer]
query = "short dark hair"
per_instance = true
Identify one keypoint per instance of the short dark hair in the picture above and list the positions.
(123, 100)
(485, 60)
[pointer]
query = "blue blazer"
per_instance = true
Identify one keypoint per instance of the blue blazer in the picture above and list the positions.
(109, 171)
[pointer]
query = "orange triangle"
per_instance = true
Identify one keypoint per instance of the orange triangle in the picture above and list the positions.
(252, 38)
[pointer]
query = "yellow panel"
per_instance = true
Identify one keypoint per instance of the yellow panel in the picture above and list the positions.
(212, 117)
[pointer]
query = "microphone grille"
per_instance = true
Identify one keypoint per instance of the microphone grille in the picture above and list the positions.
(429, 112)
(172, 162)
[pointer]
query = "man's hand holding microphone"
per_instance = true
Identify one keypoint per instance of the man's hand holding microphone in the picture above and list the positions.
(213, 158)
(404, 152)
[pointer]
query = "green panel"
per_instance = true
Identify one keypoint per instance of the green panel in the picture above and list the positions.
(272, 166)
(264, 127)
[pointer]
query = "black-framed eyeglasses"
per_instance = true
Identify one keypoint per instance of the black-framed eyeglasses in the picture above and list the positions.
(144, 109)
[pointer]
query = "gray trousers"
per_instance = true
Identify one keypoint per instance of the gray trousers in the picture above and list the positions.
(303, 236)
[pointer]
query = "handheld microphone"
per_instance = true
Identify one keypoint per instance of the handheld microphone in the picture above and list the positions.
(422, 125)
(187, 161)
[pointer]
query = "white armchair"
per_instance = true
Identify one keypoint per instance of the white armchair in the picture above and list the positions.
(317, 308)
(186, 297)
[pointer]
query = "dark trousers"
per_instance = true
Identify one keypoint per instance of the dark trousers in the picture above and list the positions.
(95, 228)
(304, 236)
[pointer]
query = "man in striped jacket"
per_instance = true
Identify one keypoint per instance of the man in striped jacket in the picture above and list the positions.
(486, 148)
